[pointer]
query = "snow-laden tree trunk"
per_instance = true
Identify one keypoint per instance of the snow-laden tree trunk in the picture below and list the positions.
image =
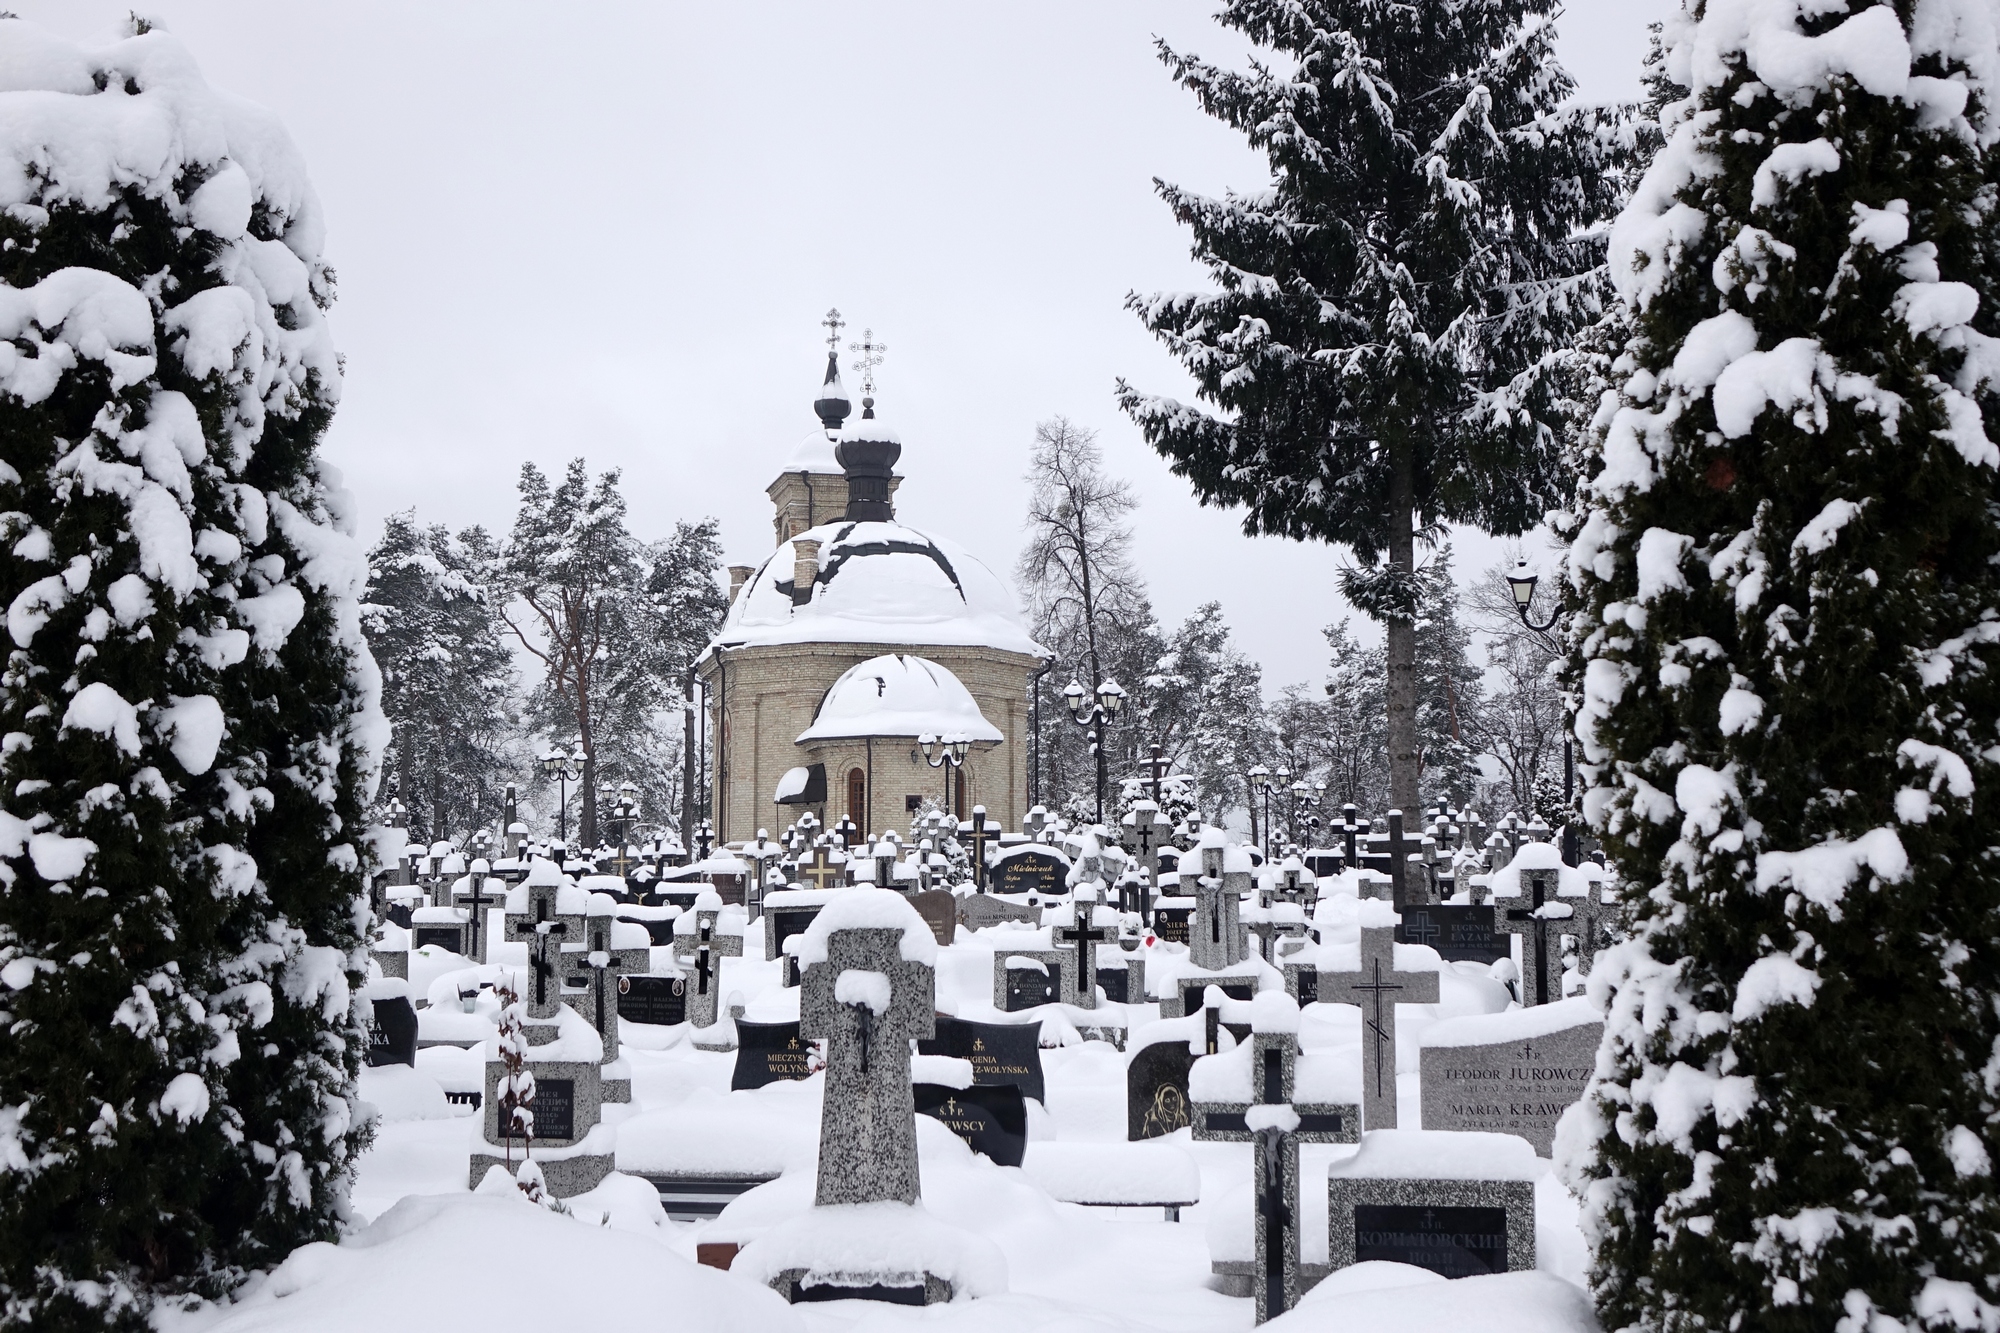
(190, 714)
(1788, 566)
(1400, 639)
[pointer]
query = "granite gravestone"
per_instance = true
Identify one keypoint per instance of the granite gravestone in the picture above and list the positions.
(1377, 989)
(992, 1120)
(1116, 984)
(980, 910)
(1037, 870)
(1156, 1090)
(660, 1001)
(1520, 1085)
(769, 1053)
(1459, 932)
(1274, 1123)
(866, 1001)
(392, 1036)
(1001, 1053)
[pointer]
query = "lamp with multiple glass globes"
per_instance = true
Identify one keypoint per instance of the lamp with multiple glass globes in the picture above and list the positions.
(943, 751)
(1092, 716)
(565, 768)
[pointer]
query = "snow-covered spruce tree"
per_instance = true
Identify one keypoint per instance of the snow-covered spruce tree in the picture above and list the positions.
(1391, 307)
(447, 678)
(188, 714)
(1788, 566)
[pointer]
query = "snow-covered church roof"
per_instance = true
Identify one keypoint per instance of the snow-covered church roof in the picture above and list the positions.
(899, 695)
(879, 583)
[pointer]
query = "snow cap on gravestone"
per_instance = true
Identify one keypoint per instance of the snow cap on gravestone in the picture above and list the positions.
(1274, 1011)
(867, 909)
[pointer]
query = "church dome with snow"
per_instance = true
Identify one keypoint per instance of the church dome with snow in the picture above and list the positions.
(876, 583)
(899, 695)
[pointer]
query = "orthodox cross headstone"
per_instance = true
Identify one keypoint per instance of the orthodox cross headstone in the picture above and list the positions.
(822, 873)
(1036, 823)
(1084, 938)
(847, 832)
(760, 854)
(1156, 769)
(477, 901)
(1545, 915)
(1591, 921)
(866, 1000)
(1351, 828)
(1218, 938)
(980, 834)
(1143, 832)
(1378, 988)
(1275, 1127)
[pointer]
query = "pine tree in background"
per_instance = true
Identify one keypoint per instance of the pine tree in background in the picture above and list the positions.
(1393, 309)
(1788, 565)
(189, 710)
(447, 679)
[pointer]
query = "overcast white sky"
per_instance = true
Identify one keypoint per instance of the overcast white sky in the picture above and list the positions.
(611, 229)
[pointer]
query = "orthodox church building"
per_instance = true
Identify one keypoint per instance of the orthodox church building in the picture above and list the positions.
(854, 639)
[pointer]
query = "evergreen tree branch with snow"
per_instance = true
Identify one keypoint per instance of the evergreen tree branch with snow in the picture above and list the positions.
(1387, 350)
(190, 713)
(1786, 568)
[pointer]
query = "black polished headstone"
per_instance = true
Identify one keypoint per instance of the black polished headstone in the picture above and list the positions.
(1001, 1053)
(1156, 1090)
(392, 1037)
(769, 1053)
(442, 937)
(1193, 989)
(1455, 1241)
(1322, 863)
(787, 922)
(1171, 923)
(827, 1291)
(659, 932)
(661, 1001)
(991, 1120)
(1028, 987)
(1460, 932)
(1116, 982)
(399, 914)
(1033, 871)
(555, 1108)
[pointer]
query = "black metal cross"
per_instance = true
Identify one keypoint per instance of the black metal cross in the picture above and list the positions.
(979, 838)
(1086, 938)
(479, 901)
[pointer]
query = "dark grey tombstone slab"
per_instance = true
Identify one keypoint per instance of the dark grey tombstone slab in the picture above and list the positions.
(1461, 933)
(399, 913)
(1038, 871)
(768, 1053)
(660, 1001)
(1000, 1053)
(1116, 982)
(992, 1120)
(1156, 1090)
(392, 1036)
(828, 1291)
(980, 910)
(940, 912)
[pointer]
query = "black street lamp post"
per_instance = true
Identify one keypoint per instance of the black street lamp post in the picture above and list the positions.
(1092, 717)
(940, 752)
(565, 768)
(1523, 581)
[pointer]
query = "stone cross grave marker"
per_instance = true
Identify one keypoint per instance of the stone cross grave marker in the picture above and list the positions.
(476, 900)
(1544, 916)
(1378, 988)
(1275, 1127)
(1592, 919)
(822, 872)
(867, 1001)
(1218, 939)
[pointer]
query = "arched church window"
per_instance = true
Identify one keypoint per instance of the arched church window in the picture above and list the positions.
(857, 797)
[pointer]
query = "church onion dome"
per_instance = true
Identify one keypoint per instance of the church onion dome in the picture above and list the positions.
(901, 697)
(876, 583)
(816, 454)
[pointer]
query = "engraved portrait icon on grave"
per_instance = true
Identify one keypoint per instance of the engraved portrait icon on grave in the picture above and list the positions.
(1168, 1112)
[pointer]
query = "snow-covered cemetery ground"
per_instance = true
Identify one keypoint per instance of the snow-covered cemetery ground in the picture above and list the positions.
(556, 924)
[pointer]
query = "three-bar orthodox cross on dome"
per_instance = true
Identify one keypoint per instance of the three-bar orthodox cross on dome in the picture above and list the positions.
(871, 351)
